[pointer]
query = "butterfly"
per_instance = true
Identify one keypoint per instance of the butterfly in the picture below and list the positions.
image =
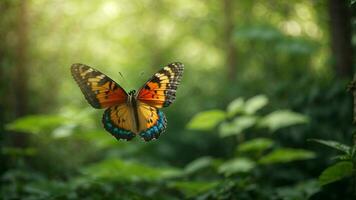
(133, 113)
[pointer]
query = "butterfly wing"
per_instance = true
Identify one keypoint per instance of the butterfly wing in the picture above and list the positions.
(99, 90)
(160, 90)
(118, 120)
(152, 121)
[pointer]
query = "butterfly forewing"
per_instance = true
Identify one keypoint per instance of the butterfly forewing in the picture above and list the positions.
(160, 90)
(99, 90)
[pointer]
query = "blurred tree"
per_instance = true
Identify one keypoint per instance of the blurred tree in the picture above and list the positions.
(13, 68)
(19, 77)
(5, 53)
(231, 51)
(340, 27)
(20, 73)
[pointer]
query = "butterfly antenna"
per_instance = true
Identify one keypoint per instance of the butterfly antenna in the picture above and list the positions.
(128, 84)
(142, 74)
(123, 79)
(122, 76)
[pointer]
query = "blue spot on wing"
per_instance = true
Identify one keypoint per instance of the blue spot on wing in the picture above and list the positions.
(155, 130)
(117, 132)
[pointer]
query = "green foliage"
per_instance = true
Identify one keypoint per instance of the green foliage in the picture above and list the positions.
(336, 172)
(236, 106)
(237, 126)
(303, 190)
(345, 167)
(284, 155)
(236, 165)
(333, 144)
(206, 120)
(36, 124)
(199, 164)
(193, 188)
(247, 107)
(255, 145)
(247, 117)
(255, 103)
(117, 169)
(199, 178)
(243, 118)
(282, 118)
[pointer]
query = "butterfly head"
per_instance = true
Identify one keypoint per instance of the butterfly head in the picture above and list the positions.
(132, 92)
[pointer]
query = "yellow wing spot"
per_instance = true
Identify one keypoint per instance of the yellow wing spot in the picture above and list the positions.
(171, 73)
(164, 81)
(84, 73)
(93, 79)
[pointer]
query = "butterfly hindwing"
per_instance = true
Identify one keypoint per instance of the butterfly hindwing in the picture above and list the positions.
(160, 90)
(152, 122)
(99, 90)
(121, 122)
(118, 120)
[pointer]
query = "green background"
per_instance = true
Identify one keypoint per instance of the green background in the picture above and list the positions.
(260, 79)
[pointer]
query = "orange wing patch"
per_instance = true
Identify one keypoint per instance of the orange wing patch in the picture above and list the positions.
(99, 90)
(160, 90)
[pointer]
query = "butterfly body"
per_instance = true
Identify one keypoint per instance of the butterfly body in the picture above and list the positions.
(133, 113)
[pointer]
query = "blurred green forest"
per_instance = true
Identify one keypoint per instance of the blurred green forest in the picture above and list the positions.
(261, 78)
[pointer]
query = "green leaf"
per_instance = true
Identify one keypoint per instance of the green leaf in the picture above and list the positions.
(237, 165)
(198, 164)
(343, 157)
(303, 190)
(255, 103)
(63, 131)
(249, 107)
(235, 107)
(352, 2)
(258, 144)
(237, 126)
(192, 188)
(36, 123)
(333, 144)
(282, 118)
(115, 169)
(285, 155)
(336, 172)
(206, 120)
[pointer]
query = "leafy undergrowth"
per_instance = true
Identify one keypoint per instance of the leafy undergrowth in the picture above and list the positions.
(81, 162)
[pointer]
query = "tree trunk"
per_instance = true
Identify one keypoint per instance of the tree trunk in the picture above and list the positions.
(231, 52)
(20, 74)
(341, 46)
